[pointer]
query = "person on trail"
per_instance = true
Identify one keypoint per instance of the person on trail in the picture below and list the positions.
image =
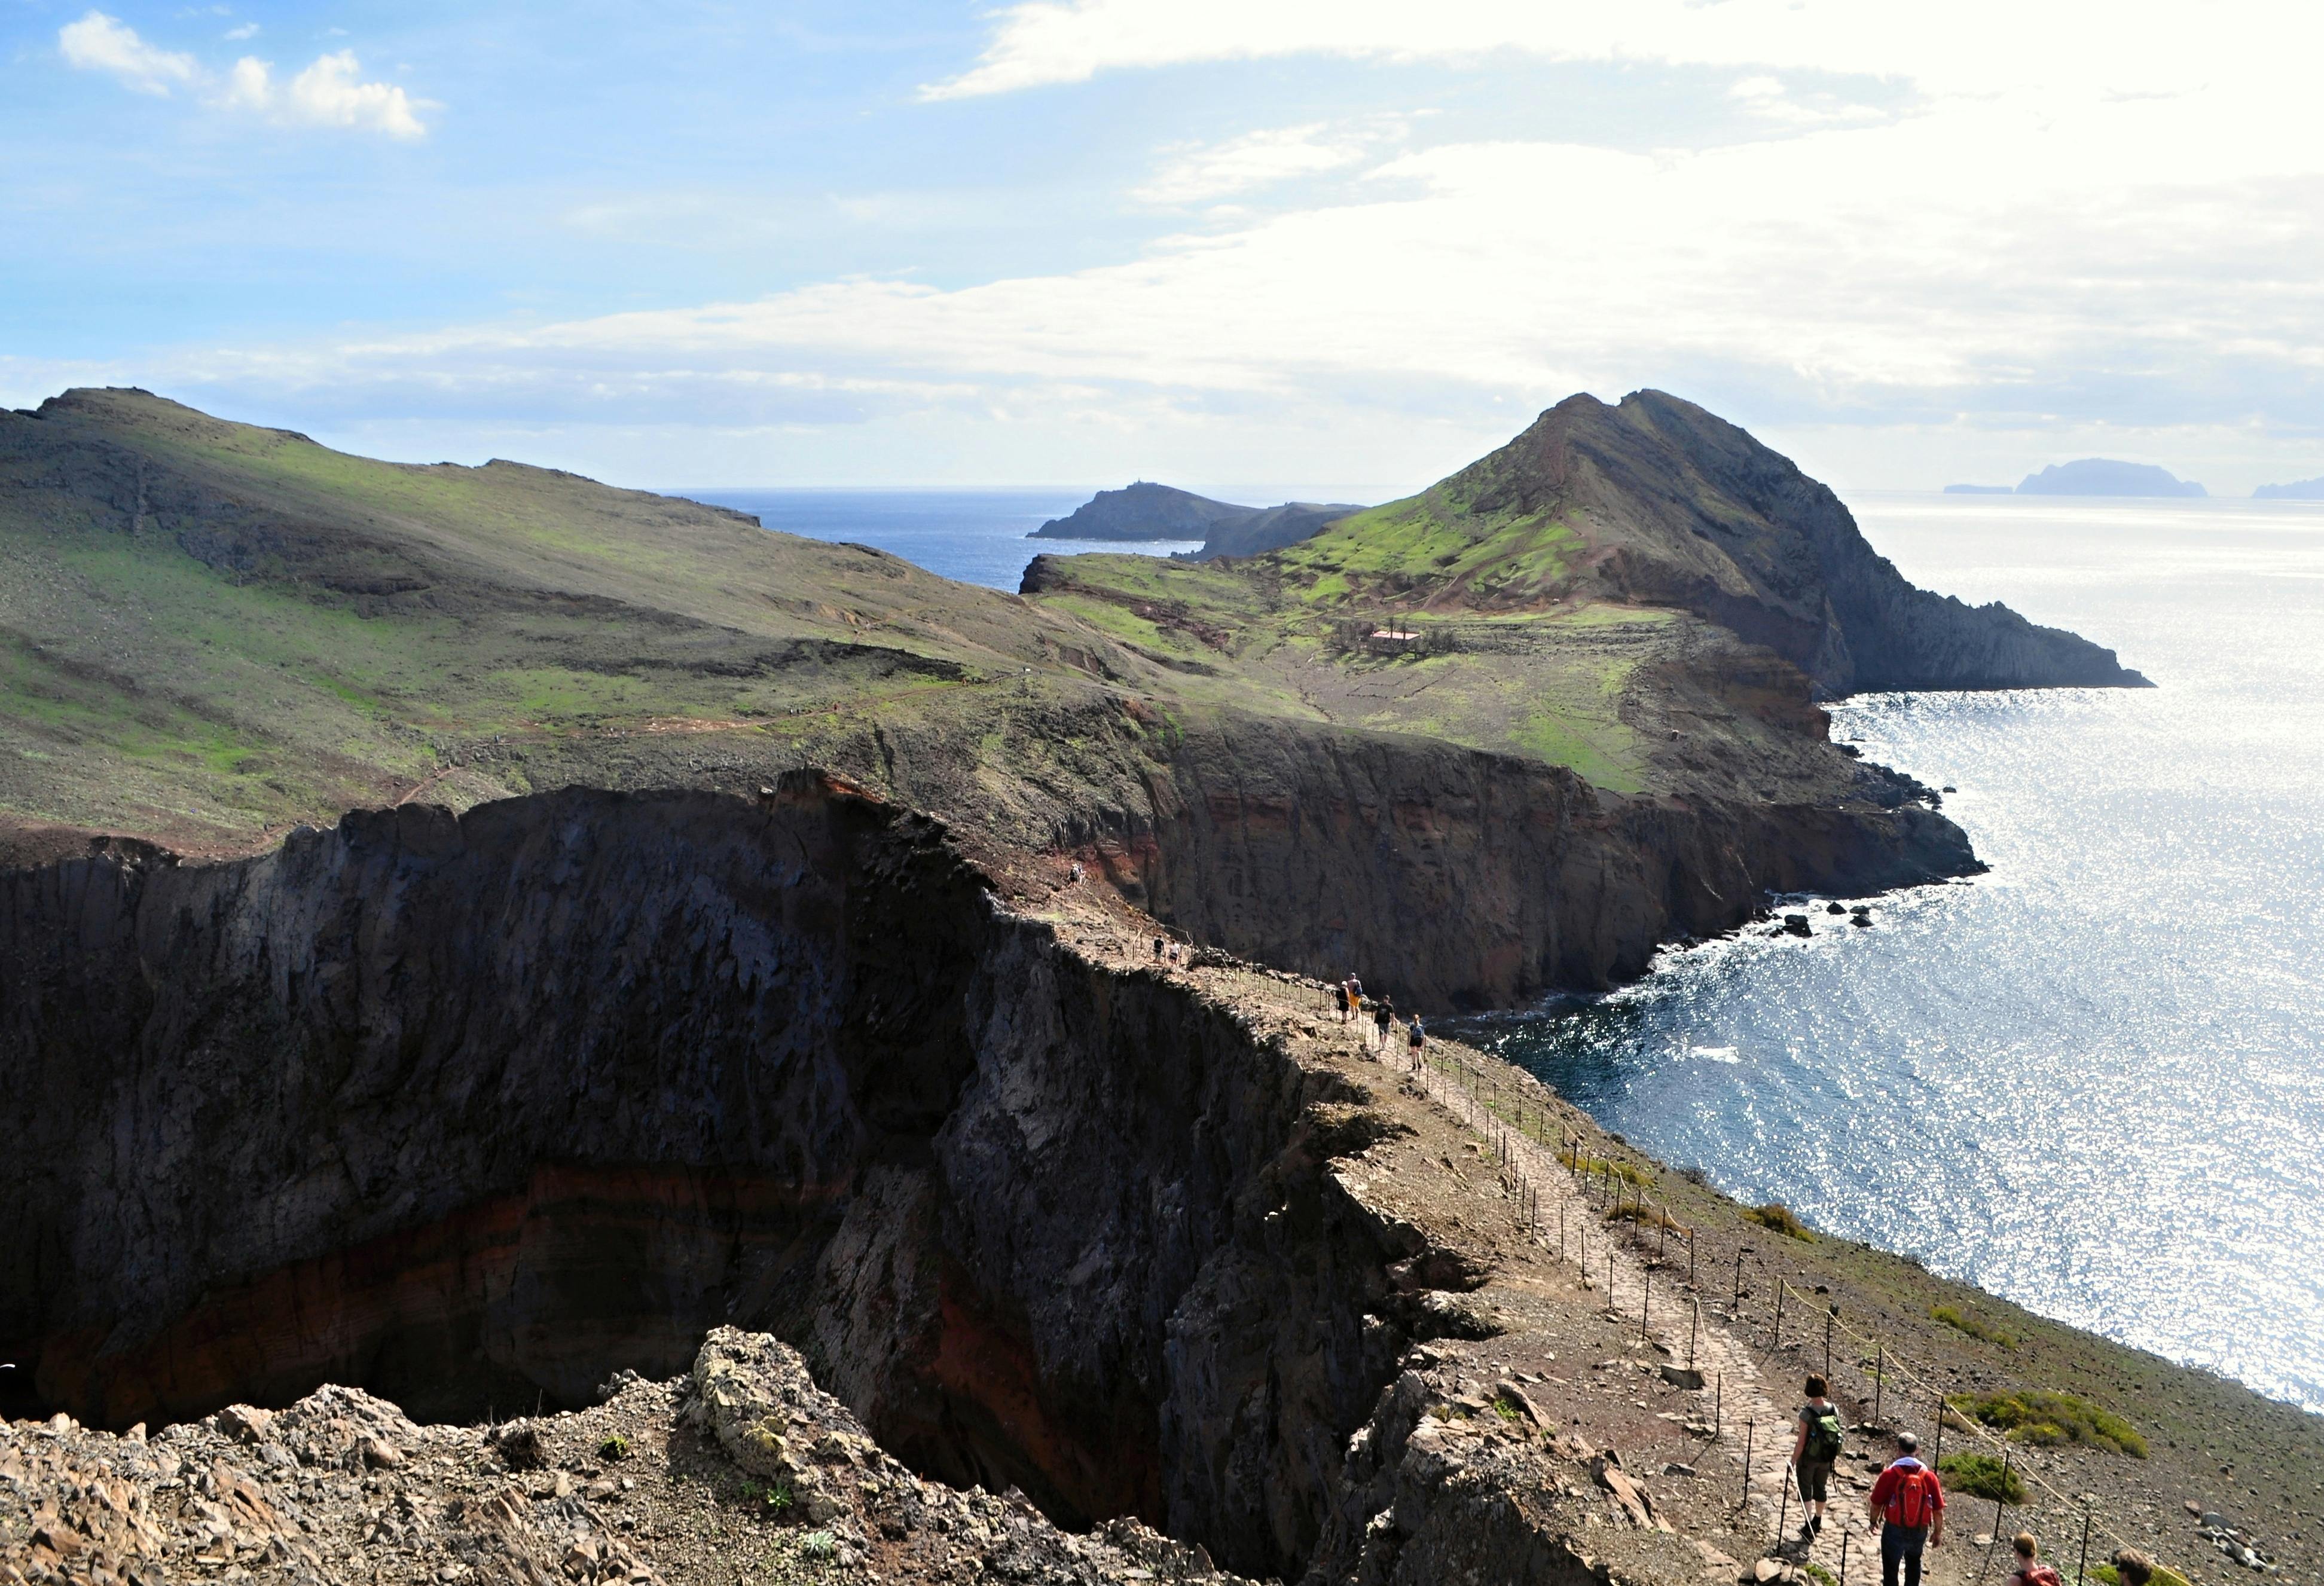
(2132, 1568)
(1340, 999)
(1384, 1015)
(1157, 949)
(2029, 1571)
(1907, 1507)
(1814, 1451)
(1419, 1040)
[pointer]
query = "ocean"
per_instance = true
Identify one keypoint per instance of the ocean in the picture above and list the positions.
(976, 535)
(2091, 1080)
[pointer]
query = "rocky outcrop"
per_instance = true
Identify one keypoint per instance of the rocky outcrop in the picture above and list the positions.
(1271, 529)
(465, 1111)
(340, 1484)
(1682, 508)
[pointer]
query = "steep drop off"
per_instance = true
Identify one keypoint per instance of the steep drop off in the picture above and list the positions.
(466, 1109)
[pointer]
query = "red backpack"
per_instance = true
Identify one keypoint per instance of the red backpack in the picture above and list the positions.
(1913, 1503)
(2037, 1575)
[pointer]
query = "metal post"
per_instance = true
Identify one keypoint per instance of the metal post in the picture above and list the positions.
(1662, 1236)
(2000, 1502)
(1609, 1282)
(1740, 1251)
(1690, 1258)
(1719, 1406)
(1693, 1331)
(1561, 1230)
(1750, 1430)
(1879, 1378)
(2080, 1569)
(1843, 1560)
(1830, 1318)
(1645, 1301)
(1778, 1339)
(1937, 1455)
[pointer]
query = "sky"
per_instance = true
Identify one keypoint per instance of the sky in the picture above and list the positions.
(1321, 248)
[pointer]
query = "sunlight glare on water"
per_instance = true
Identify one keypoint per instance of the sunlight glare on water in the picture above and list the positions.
(2092, 1081)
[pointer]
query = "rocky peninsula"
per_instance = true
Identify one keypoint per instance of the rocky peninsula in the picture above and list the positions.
(490, 955)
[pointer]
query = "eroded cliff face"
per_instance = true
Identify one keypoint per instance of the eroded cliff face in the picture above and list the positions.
(472, 1111)
(1458, 878)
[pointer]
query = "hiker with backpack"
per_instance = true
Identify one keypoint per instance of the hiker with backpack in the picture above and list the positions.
(1419, 1042)
(1908, 1509)
(1384, 1015)
(2030, 1572)
(1814, 1451)
(1340, 999)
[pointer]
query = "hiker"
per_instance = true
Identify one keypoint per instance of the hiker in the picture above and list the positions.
(1076, 873)
(1356, 1006)
(2132, 1568)
(2029, 1572)
(1907, 1507)
(1340, 999)
(1157, 949)
(1384, 1015)
(1419, 1040)
(1814, 1451)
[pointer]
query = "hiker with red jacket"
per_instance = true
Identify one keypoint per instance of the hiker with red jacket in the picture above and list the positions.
(1907, 1507)
(2030, 1570)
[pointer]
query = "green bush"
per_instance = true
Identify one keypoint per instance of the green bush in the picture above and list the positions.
(1975, 1326)
(616, 1447)
(1981, 1475)
(1776, 1217)
(2047, 1419)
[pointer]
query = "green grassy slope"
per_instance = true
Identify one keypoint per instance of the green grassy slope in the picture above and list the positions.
(207, 631)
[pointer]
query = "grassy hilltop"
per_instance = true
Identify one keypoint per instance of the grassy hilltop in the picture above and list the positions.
(210, 631)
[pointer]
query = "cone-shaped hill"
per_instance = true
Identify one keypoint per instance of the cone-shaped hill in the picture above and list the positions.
(1656, 503)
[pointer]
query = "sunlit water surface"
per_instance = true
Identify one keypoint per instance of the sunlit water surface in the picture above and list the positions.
(2092, 1081)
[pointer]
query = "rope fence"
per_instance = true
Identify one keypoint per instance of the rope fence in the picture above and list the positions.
(1494, 1110)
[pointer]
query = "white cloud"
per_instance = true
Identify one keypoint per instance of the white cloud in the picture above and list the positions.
(1196, 173)
(248, 30)
(1770, 99)
(1967, 45)
(328, 93)
(98, 42)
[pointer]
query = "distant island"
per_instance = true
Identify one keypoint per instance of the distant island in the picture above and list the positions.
(2104, 476)
(1146, 510)
(1980, 489)
(2299, 490)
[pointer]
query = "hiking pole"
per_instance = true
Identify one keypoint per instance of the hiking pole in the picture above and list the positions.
(1843, 1560)
(1784, 1507)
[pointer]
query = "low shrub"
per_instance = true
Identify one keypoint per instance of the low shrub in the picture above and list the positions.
(616, 1447)
(1596, 1167)
(2048, 1419)
(1980, 1475)
(1975, 1326)
(1777, 1218)
(1651, 1216)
